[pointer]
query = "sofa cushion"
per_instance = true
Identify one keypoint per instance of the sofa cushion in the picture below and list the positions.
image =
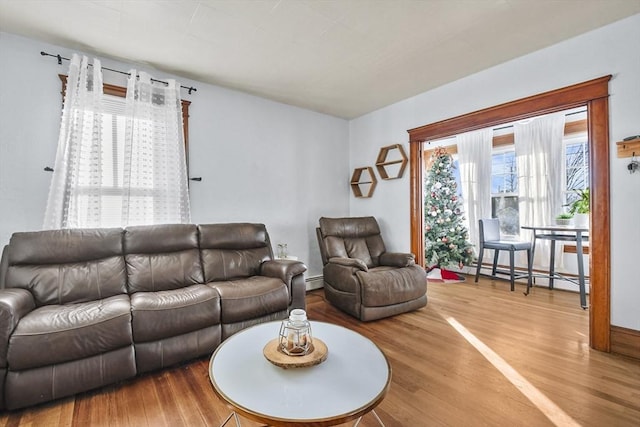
(233, 250)
(383, 286)
(349, 248)
(256, 296)
(235, 235)
(163, 314)
(38, 385)
(162, 257)
(62, 246)
(164, 352)
(67, 266)
(60, 333)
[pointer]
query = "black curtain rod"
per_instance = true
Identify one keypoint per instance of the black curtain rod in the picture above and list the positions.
(60, 58)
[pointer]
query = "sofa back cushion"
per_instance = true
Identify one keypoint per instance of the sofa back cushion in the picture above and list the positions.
(67, 266)
(162, 257)
(233, 250)
(352, 238)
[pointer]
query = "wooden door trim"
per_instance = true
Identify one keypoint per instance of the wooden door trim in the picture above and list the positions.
(593, 94)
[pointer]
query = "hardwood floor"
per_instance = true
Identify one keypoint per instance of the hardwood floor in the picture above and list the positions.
(439, 377)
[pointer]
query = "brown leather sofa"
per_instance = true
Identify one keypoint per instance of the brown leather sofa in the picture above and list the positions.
(361, 277)
(84, 308)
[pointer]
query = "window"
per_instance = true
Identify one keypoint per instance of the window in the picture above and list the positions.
(504, 190)
(120, 92)
(504, 176)
(576, 167)
(101, 200)
(112, 158)
(456, 175)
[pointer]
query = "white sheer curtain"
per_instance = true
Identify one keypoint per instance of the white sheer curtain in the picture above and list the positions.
(539, 157)
(119, 162)
(474, 160)
(155, 171)
(75, 193)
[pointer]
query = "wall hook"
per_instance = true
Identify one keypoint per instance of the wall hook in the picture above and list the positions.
(634, 165)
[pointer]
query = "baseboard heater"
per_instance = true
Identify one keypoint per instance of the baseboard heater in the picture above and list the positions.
(315, 282)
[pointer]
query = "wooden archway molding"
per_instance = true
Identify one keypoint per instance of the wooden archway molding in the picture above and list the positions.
(594, 94)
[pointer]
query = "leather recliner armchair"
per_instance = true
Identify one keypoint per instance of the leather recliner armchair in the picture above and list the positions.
(361, 277)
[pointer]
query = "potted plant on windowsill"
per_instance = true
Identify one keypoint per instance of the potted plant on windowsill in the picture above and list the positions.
(580, 208)
(564, 218)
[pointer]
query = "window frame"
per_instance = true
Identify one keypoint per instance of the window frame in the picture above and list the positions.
(594, 94)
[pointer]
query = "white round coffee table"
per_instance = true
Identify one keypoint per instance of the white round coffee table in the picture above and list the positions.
(351, 382)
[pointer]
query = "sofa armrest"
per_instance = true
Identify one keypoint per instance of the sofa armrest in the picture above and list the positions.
(291, 272)
(349, 262)
(15, 303)
(397, 259)
(4, 264)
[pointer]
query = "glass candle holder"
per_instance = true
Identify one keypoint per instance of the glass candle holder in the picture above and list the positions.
(283, 252)
(295, 334)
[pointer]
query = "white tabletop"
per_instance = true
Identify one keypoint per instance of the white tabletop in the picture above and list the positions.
(352, 381)
(555, 227)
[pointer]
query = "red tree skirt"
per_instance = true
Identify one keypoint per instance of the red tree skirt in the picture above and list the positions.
(448, 275)
(437, 274)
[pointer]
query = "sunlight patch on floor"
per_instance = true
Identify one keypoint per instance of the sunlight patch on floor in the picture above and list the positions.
(556, 415)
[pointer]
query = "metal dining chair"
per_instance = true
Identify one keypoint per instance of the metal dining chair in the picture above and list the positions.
(489, 230)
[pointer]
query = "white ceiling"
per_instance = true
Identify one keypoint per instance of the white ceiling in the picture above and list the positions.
(341, 57)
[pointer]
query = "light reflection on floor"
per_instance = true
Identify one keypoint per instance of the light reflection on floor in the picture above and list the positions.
(556, 415)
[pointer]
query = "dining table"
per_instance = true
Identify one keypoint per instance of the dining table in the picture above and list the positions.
(562, 233)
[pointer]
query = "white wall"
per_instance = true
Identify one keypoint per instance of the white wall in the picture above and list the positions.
(259, 160)
(285, 166)
(609, 50)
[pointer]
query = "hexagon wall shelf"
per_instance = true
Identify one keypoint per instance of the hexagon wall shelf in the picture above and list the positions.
(383, 163)
(363, 177)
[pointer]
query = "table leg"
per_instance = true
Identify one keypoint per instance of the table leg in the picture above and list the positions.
(533, 256)
(374, 414)
(552, 263)
(529, 270)
(235, 417)
(579, 253)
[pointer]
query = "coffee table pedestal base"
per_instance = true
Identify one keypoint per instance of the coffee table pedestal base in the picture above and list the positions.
(235, 416)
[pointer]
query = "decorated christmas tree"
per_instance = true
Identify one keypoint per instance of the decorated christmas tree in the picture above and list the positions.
(447, 238)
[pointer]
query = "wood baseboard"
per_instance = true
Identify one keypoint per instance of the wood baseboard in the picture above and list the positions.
(625, 341)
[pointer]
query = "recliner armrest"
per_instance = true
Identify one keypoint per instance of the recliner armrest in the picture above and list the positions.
(397, 259)
(15, 303)
(349, 262)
